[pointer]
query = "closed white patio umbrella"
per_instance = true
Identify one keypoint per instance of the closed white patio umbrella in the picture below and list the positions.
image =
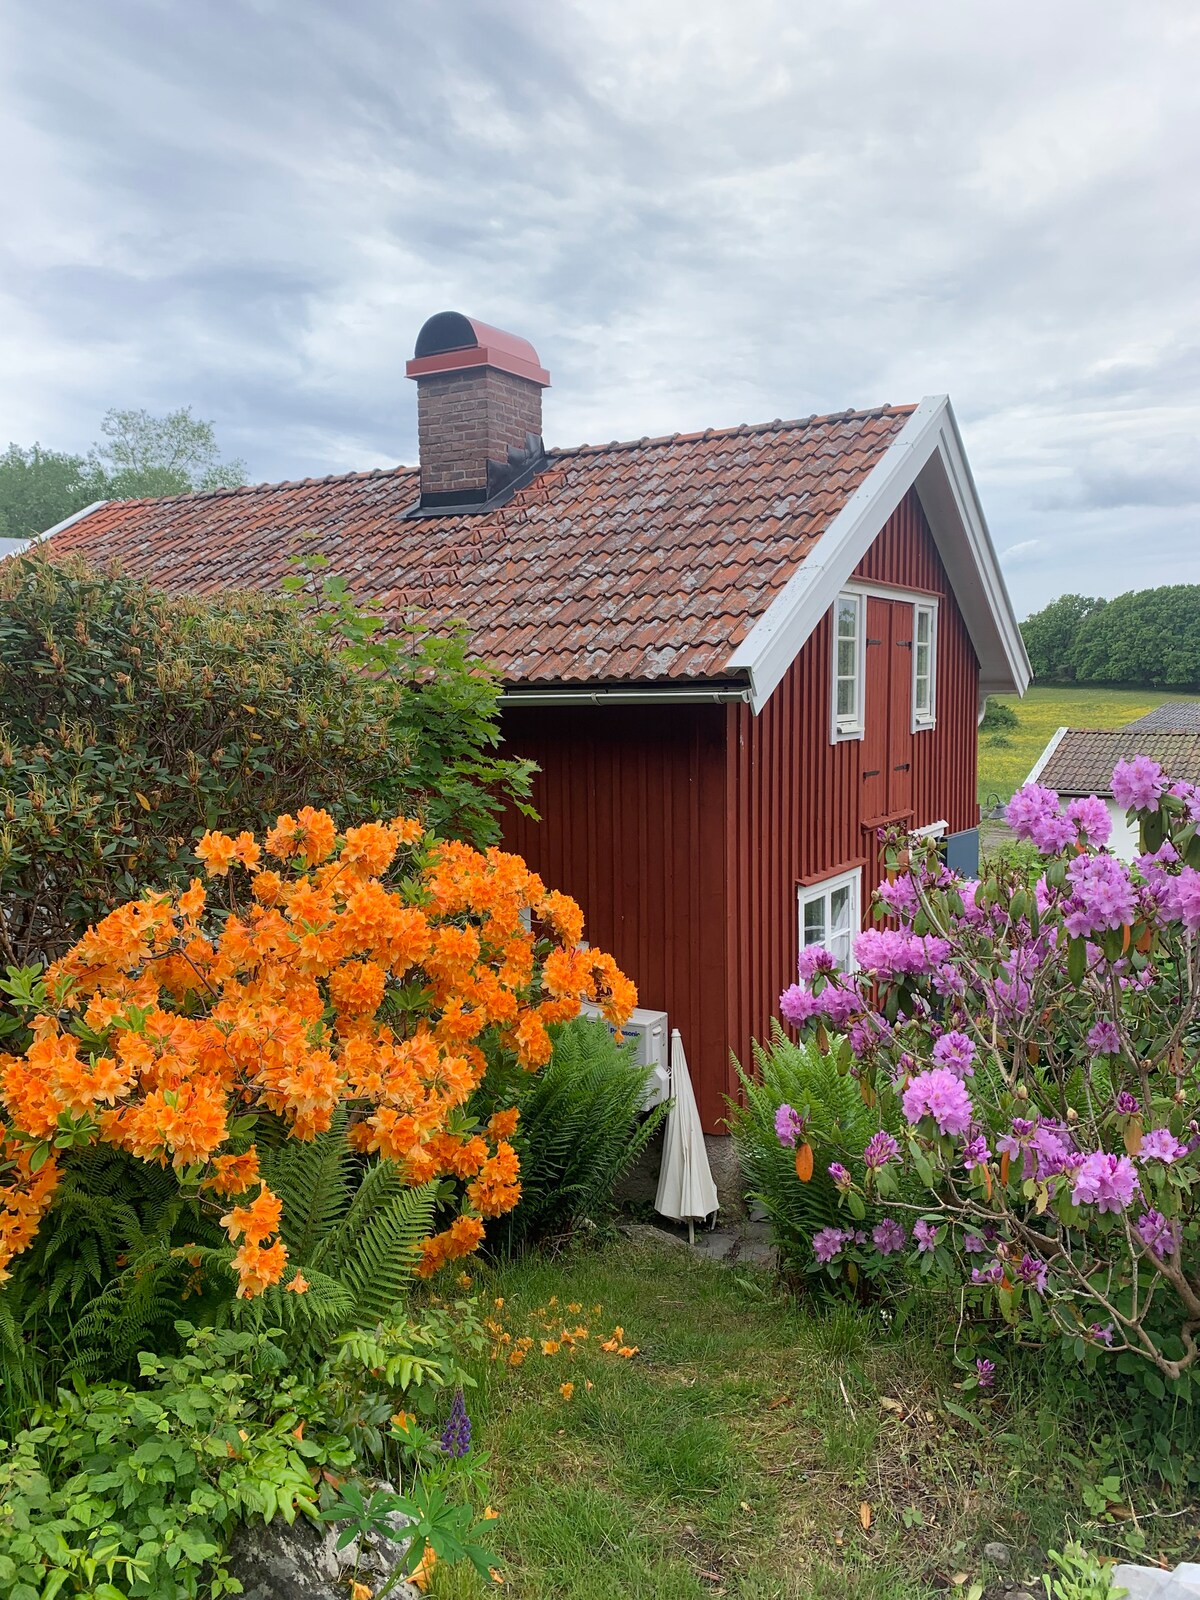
(685, 1187)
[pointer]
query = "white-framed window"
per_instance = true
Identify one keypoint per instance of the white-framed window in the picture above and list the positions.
(924, 698)
(849, 649)
(831, 914)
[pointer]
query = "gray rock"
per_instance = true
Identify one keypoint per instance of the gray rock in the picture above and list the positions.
(302, 1562)
(998, 1554)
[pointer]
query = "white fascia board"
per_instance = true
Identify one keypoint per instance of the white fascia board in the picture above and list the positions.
(927, 448)
(1040, 764)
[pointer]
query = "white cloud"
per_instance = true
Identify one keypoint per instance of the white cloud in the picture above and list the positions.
(699, 214)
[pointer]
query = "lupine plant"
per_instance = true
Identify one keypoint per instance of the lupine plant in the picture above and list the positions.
(1041, 1043)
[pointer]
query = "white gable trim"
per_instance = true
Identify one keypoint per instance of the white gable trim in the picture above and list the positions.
(1040, 764)
(76, 516)
(926, 454)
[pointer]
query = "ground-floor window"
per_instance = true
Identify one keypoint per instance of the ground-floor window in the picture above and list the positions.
(831, 914)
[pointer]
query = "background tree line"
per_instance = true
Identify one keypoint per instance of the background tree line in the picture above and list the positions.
(137, 455)
(1149, 637)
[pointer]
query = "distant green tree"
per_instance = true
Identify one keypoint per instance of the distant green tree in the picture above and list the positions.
(177, 453)
(1050, 634)
(139, 455)
(40, 487)
(1148, 637)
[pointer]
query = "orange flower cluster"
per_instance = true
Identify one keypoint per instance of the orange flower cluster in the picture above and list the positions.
(512, 1348)
(312, 984)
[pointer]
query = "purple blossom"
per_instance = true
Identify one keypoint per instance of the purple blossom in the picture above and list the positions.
(1103, 1039)
(1102, 895)
(975, 1152)
(973, 1244)
(841, 1178)
(985, 1372)
(940, 1095)
(992, 1273)
(1137, 784)
(1105, 1181)
(889, 1236)
(814, 958)
(925, 1233)
(1159, 1236)
(1102, 1332)
(1127, 1104)
(1090, 816)
(887, 953)
(1051, 832)
(956, 1051)
(828, 1243)
(1160, 1144)
(789, 1125)
(900, 897)
(798, 1005)
(456, 1435)
(1187, 898)
(880, 1149)
(1031, 1270)
(838, 1006)
(1028, 807)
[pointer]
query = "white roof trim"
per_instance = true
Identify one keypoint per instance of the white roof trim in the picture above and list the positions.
(926, 454)
(76, 516)
(1040, 764)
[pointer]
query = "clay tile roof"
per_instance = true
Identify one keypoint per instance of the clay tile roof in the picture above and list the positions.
(1177, 716)
(636, 561)
(1083, 759)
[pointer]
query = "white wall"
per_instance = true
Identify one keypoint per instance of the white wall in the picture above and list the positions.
(1124, 841)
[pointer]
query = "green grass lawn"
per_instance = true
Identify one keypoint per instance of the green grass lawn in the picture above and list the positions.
(1004, 767)
(755, 1447)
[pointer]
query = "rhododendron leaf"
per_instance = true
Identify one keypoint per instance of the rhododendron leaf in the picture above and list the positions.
(856, 1205)
(804, 1162)
(1077, 961)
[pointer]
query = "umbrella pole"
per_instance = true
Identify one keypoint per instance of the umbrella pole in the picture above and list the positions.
(691, 1231)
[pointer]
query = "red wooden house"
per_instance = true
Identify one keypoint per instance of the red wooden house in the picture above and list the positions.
(733, 654)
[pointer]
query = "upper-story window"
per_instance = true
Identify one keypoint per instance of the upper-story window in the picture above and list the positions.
(924, 664)
(849, 639)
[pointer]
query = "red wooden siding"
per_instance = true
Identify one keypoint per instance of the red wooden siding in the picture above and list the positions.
(632, 804)
(684, 831)
(797, 803)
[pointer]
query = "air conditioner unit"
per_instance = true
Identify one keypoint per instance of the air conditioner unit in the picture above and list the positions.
(652, 1040)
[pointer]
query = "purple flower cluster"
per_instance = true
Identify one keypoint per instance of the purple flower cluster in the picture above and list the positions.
(1045, 1147)
(1137, 785)
(842, 1181)
(975, 1152)
(456, 1435)
(925, 1233)
(1160, 1144)
(888, 1236)
(887, 953)
(834, 1005)
(1103, 1039)
(1102, 896)
(939, 1094)
(879, 1150)
(955, 1051)
(1091, 818)
(789, 1125)
(1105, 1181)
(985, 1372)
(1029, 809)
(1186, 898)
(1158, 1235)
(814, 958)
(828, 1243)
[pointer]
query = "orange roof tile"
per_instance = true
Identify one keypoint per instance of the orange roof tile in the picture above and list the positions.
(631, 562)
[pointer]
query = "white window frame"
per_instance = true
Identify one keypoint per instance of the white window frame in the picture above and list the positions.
(852, 725)
(926, 718)
(825, 889)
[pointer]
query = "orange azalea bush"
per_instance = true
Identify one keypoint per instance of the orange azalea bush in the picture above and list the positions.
(297, 981)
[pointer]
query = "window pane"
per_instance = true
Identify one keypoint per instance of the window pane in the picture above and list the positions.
(846, 698)
(847, 618)
(839, 910)
(923, 618)
(840, 947)
(814, 920)
(847, 658)
(922, 694)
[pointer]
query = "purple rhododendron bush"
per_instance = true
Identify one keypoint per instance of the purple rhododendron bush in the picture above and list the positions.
(1040, 1043)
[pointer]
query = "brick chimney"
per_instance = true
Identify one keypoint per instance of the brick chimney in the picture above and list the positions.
(479, 412)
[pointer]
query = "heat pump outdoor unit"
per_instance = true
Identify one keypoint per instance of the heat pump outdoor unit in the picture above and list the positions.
(652, 1041)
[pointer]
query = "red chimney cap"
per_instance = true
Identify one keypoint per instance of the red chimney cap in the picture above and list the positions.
(450, 342)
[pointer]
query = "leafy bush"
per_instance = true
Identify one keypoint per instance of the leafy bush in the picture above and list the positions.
(997, 717)
(205, 1022)
(120, 1491)
(1144, 637)
(1040, 1044)
(131, 722)
(581, 1129)
(812, 1080)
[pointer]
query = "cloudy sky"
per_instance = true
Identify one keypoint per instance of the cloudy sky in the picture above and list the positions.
(700, 212)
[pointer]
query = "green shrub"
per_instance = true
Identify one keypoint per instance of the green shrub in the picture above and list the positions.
(839, 1123)
(119, 1491)
(131, 722)
(581, 1129)
(998, 717)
